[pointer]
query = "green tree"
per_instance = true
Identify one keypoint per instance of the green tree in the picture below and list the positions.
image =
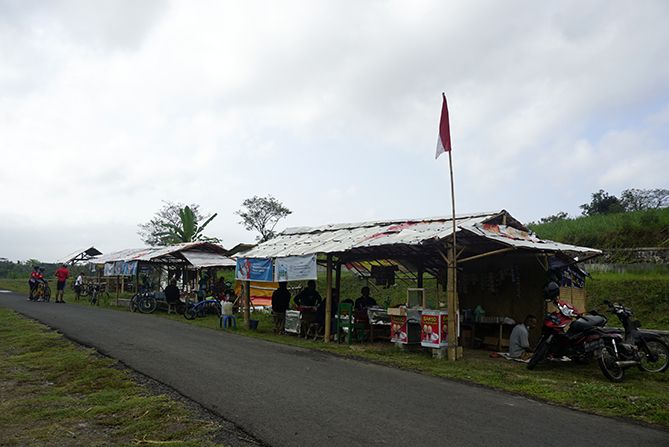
(560, 215)
(602, 203)
(175, 223)
(634, 199)
(262, 214)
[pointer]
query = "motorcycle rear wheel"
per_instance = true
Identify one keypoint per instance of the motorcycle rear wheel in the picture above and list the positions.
(147, 304)
(661, 350)
(539, 355)
(607, 363)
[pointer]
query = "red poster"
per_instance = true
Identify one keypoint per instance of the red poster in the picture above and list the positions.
(434, 328)
(398, 329)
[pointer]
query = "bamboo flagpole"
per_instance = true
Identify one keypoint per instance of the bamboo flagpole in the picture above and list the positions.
(444, 145)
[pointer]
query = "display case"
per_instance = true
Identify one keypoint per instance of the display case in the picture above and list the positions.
(292, 324)
(434, 328)
(404, 325)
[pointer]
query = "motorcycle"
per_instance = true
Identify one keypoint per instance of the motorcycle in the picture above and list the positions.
(579, 343)
(644, 349)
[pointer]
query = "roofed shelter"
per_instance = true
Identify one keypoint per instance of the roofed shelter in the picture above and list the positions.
(81, 256)
(419, 246)
(190, 255)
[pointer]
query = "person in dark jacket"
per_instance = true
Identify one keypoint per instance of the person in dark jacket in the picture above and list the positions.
(172, 293)
(280, 303)
(309, 297)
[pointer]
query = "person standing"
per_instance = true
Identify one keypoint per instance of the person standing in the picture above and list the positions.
(280, 303)
(61, 274)
(35, 278)
(78, 284)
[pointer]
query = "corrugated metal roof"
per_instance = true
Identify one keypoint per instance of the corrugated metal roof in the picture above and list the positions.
(338, 238)
(201, 259)
(155, 253)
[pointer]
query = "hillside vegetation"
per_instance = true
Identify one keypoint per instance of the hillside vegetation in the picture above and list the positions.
(648, 228)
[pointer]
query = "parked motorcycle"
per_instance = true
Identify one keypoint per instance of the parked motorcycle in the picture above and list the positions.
(579, 343)
(644, 349)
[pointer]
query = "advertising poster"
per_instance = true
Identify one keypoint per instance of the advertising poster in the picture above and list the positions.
(434, 329)
(252, 269)
(295, 268)
(398, 329)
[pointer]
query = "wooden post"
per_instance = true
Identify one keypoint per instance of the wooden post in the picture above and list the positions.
(419, 284)
(247, 304)
(328, 300)
(117, 291)
(452, 305)
(338, 279)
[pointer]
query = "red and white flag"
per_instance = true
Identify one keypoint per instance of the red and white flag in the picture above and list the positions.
(444, 139)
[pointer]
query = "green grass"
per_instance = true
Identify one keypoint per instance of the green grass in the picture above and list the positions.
(642, 396)
(624, 230)
(54, 392)
(647, 294)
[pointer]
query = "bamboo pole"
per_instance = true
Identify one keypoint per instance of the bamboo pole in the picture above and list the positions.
(328, 300)
(247, 304)
(452, 279)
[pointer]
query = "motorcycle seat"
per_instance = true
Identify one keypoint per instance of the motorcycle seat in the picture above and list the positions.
(586, 322)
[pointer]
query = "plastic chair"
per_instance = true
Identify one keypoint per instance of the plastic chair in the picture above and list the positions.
(228, 321)
(344, 322)
(228, 318)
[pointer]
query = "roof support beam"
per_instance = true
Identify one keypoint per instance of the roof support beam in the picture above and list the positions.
(490, 253)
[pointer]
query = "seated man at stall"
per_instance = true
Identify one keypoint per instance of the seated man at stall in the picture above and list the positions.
(280, 303)
(365, 300)
(172, 293)
(308, 297)
(519, 344)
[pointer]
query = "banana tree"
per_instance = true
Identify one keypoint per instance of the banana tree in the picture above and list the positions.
(188, 229)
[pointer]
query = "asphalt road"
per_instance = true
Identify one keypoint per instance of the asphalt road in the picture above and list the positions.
(286, 396)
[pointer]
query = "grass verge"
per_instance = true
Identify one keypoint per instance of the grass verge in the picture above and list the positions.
(53, 392)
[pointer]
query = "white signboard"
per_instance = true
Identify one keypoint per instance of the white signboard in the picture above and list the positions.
(295, 268)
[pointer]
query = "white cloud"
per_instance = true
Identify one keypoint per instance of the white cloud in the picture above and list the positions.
(330, 106)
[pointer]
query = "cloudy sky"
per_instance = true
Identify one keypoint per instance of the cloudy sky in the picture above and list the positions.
(109, 107)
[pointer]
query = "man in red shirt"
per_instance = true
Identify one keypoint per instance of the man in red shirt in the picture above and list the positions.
(35, 278)
(62, 274)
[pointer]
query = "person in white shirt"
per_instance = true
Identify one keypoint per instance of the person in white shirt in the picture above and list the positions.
(78, 284)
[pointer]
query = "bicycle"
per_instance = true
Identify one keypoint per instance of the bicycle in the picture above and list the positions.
(42, 292)
(95, 292)
(144, 302)
(199, 309)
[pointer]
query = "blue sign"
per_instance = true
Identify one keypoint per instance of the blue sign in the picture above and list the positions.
(253, 269)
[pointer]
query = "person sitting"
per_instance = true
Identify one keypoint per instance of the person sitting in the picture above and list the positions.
(519, 344)
(308, 297)
(35, 278)
(365, 301)
(172, 293)
(280, 303)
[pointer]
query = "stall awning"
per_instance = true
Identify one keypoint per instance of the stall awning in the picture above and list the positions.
(202, 259)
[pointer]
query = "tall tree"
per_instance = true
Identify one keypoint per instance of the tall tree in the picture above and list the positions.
(602, 203)
(175, 223)
(262, 214)
(634, 199)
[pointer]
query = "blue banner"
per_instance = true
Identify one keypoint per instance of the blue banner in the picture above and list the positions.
(252, 269)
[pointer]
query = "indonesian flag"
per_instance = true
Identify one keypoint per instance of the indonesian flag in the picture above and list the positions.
(444, 139)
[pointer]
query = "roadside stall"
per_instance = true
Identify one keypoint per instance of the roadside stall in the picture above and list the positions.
(501, 267)
(272, 271)
(150, 269)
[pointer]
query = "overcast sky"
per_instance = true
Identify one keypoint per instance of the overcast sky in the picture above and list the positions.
(109, 107)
